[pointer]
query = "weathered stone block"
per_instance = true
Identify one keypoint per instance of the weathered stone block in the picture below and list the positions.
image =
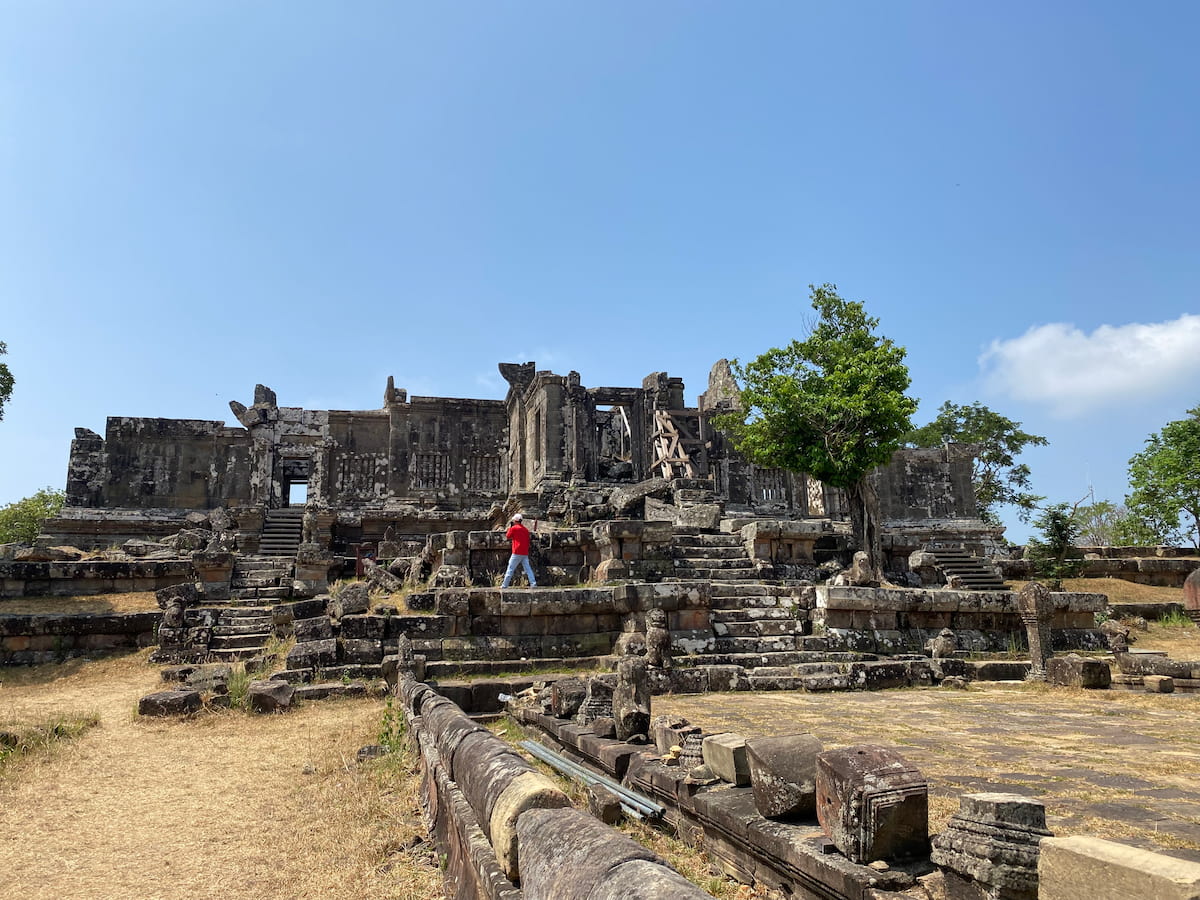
(1086, 868)
(783, 773)
(169, 703)
(565, 853)
(270, 696)
(1159, 684)
(872, 803)
(319, 628)
(567, 696)
(993, 842)
(726, 755)
(312, 654)
(1078, 671)
(529, 790)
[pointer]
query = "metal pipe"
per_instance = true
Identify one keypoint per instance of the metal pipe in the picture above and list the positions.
(636, 803)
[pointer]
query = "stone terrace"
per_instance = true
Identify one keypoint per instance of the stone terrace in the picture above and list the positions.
(1107, 764)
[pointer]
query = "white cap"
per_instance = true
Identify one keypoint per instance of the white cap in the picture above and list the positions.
(517, 517)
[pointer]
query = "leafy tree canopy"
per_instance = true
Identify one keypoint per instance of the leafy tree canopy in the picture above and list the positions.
(1053, 550)
(1103, 523)
(1165, 482)
(6, 381)
(998, 478)
(831, 405)
(21, 521)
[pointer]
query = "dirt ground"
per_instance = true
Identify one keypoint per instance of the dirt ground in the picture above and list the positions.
(224, 805)
(1106, 763)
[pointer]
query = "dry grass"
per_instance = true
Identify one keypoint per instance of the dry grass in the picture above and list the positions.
(1129, 760)
(137, 601)
(226, 804)
(1120, 591)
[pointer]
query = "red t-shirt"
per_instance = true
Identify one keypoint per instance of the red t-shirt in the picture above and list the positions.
(519, 535)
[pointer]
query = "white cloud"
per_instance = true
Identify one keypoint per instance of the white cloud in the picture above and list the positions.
(1071, 372)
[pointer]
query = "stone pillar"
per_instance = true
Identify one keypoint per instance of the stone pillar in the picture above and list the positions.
(992, 845)
(311, 576)
(214, 572)
(1191, 596)
(1037, 609)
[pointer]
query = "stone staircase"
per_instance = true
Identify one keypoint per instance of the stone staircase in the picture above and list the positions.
(240, 633)
(282, 531)
(975, 574)
(709, 556)
(257, 578)
(757, 626)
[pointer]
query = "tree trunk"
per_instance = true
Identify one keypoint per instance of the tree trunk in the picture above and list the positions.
(864, 520)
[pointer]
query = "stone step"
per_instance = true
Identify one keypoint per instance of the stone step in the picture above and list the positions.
(256, 579)
(692, 562)
(787, 658)
(776, 644)
(720, 589)
(352, 672)
(233, 654)
(767, 628)
(754, 601)
(709, 574)
(708, 540)
(710, 553)
(262, 593)
(752, 614)
(246, 612)
(238, 641)
(257, 625)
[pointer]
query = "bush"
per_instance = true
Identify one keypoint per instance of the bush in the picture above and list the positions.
(21, 521)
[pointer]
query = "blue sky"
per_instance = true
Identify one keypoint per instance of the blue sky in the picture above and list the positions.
(195, 197)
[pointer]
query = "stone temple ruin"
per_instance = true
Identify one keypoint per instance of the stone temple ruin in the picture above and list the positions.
(662, 556)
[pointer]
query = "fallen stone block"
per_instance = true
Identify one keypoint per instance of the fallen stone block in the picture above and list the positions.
(783, 774)
(873, 804)
(313, 655)
(1159, 684)
(269, 696)
(169, 703)
(992, 843)
(1078, 671)
(1086, 868)
(726, 755)
(567, 696)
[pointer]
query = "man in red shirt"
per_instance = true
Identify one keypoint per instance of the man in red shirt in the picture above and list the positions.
(519, 535)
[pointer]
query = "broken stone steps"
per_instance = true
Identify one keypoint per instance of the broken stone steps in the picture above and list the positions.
(784, 657)
(328, 689)
(750, 601)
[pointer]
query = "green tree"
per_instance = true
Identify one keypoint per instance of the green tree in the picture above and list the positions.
(6, 381)
(1103, 523)
(998, 478)
(832, 406)
(21, 521)
(1165, 482)
(1053, 552)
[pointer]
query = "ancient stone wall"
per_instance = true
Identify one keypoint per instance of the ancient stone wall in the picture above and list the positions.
(36, 639)
(71, 579)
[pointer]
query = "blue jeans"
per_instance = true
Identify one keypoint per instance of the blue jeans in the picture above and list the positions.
(513, 562)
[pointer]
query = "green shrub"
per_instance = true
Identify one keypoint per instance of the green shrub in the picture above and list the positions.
(21, 521)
